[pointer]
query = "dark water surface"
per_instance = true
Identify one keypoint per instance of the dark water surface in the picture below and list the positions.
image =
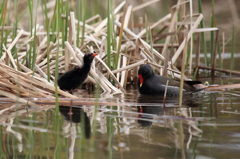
(207, 126)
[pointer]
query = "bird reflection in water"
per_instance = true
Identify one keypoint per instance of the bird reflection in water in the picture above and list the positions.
(76, 116)
(153, 106)
(147, 113)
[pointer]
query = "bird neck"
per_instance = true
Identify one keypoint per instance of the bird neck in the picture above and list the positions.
(86, 67)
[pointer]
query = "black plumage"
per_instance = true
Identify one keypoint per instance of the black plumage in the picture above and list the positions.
(150, 83)
(75, 77)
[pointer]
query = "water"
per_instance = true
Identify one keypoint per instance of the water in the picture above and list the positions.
(207, 126)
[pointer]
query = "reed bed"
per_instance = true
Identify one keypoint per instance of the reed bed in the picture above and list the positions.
(31, 60)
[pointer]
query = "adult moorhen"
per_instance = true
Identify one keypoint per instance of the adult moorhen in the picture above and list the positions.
(75, 77)
(150, 83)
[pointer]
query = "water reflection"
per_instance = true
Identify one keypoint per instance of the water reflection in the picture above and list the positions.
(173, 121)
(148, 129)
(188, 101)
(75, 115)
(146, 114)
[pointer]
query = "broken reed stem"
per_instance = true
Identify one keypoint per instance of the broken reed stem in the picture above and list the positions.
(132, 48)
(165, 94)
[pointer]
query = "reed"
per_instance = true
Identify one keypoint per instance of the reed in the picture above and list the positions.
(44, 52)
(58, 24)
(109, 32)
(212, 40)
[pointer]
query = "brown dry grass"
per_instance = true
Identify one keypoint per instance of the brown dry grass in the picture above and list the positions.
(171, 38)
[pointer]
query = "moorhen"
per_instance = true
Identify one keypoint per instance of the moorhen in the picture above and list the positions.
(150, 83)
(75, 77)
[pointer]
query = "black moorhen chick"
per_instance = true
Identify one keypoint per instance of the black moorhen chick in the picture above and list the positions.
(150, 83)
(75, 77)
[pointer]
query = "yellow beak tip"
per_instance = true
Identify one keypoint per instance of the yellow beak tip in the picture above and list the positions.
(141, 85)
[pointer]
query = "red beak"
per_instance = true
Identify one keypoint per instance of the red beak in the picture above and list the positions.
(94, 54)
(140, 79)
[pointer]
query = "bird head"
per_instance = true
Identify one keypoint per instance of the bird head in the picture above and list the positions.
(88, 57)
(144, 72)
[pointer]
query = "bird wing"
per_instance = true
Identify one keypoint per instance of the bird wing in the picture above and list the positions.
(66, 77)
(188, 85)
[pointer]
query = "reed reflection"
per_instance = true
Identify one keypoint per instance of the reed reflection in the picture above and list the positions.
(148, 112)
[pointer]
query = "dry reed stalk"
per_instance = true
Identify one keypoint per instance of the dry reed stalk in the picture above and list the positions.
(200, 30)
(104, 22)
(118, 67)
(44, 61)
(41, 72)
(52, 63)
(148, 48)
(109, 84)
(16, 98)
(30, 82)
(65, 102)
(191, 42)
(159, 22)
(43, 55)
(9, 56)
(71, 50)
(73, 31)
(171, 28)
(222, 87)
(220, 70)
(144, 5)
(25, 69)
(165, 93)
(123, 73)
(181, 47)
(95, 17)
(138, 51)
(6, 28)
(30, 93)
(127, 16)
(129, 67)
(110, 73)
(8, 108)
